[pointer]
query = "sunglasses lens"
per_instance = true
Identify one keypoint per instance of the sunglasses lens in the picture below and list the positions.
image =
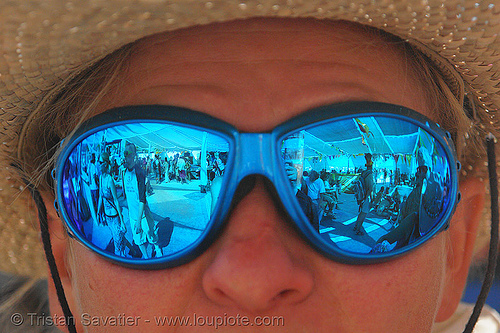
(157, 204)
(370, 185)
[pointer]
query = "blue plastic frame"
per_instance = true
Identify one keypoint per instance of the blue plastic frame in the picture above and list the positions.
(255, 154)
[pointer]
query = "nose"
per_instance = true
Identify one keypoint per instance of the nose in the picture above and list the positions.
(256, 265)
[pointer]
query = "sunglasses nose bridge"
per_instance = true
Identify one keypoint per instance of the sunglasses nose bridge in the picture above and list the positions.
(255, 155)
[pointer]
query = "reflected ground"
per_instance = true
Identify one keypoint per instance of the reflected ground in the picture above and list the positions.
(340, 230)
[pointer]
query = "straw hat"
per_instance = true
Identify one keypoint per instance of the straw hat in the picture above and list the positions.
(44, 43)
(20, 246)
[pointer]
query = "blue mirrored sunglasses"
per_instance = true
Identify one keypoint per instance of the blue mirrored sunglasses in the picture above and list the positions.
(361, 182)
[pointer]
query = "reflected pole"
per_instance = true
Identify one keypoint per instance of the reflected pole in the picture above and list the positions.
(203, 161)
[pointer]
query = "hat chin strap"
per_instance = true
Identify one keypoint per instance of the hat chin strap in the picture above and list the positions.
(47, 247)
(481, 299)
(493, 251)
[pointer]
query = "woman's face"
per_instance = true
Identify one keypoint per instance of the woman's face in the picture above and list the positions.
(256, 75)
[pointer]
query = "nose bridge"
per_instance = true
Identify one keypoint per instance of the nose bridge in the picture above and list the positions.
(256, 155)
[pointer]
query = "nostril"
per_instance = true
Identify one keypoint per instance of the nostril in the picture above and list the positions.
(287, 294)
(219, 293)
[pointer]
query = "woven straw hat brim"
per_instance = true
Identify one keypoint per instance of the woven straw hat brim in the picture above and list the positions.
(20, 245)
(45, 42)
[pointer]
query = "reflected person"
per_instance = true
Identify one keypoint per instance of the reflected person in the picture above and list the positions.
(109, 206)
(304, 200)
(134, 189)
(365, 205)
(93, 181)
(407, 229)
(316, 191)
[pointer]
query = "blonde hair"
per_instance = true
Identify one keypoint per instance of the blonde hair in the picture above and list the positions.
(73, 103)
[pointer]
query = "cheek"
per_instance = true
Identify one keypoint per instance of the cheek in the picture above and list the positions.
(350, 298)
(408, 288)
(104, 289)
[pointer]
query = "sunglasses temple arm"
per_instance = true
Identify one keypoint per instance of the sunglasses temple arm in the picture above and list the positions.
(493, 251)
(47, 247)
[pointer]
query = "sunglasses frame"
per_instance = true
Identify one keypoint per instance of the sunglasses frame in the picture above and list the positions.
(255, 154)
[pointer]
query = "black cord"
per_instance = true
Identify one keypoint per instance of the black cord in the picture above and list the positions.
(47, 247)
(493, 251)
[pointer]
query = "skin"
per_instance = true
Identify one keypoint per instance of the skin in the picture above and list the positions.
(255, 75)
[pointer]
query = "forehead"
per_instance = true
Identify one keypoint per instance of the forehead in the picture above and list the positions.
(257, 73)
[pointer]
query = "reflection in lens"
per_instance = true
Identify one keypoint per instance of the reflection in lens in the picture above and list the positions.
(369, 184)
(144, 190)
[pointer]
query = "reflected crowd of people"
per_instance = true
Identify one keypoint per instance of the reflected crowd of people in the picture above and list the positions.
(109, 186)
(394, 207)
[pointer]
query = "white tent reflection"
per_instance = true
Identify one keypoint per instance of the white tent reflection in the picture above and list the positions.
(154, 136)
(342, 144)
